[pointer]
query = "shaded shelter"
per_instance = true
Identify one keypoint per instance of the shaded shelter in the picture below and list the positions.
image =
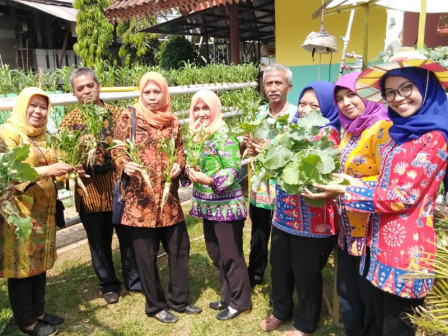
(234, 20)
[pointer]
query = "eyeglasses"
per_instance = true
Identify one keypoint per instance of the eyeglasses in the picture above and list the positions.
(405, 90)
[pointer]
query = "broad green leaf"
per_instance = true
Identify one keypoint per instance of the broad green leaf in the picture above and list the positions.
(312, 119)
(24, 172)
(23, 225)
(276, 157)
(290, 173)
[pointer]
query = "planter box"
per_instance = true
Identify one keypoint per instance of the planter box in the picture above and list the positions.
(442, 30)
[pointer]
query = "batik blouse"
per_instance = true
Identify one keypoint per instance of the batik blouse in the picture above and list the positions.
(223, 200)
(360, 158)
(402, 236)
(143, 206)
(293, 215)
(36, 253)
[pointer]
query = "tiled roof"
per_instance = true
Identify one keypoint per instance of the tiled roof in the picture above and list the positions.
(122, 10)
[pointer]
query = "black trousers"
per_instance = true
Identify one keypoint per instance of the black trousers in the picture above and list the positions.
(261, 231)
(27, 298)
(355, 297)
(175, 241)
(224, 243)
(99, 229)
(297, 262)
(391, 313)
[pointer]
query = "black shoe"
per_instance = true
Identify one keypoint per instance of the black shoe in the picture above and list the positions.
(190, 309)
(111, 297)
(52, 319)
(41, 329)
(165, 316)
(217, 305)
(227, 315)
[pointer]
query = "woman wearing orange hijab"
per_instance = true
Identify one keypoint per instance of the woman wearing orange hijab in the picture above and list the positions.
(147, 221)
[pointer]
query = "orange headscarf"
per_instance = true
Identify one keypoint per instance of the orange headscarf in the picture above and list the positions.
(18, 117)
(164, 115)
(213, 102)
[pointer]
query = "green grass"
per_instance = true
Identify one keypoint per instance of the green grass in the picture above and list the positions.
(72, 291)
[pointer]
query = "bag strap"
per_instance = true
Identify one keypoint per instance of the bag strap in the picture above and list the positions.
(134, 121)
(46, 161)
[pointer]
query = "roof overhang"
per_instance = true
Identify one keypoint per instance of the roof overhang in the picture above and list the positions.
(124, 10)
(256, 20)
(62, 9)
(338, 6)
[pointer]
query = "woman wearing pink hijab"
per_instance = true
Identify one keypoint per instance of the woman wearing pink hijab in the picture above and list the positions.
(219, 201)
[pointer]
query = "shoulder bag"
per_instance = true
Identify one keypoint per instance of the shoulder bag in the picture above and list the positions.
(118, 200)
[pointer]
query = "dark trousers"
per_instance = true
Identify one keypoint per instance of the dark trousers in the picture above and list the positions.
(175, 241)
(27, 298)
(391, 313)
(224, 243)
(99, 229)
(297, 261)
(355, 297)
(261, 231)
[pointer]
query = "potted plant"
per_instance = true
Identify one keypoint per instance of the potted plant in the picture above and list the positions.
(442, 26)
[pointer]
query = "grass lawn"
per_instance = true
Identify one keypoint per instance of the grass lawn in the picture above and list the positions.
(72, 291)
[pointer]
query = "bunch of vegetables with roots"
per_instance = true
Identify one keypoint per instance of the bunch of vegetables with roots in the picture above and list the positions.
(14, 170)
(297, 159)
(194, 146)
(131, 149)
(70, 149)
(167, 148)
(94, 123)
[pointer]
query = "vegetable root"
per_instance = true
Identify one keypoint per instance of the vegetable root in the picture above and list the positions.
(74, 180)
(166, 192)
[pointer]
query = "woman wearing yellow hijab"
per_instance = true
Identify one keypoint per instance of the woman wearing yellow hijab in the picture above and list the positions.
(25, 262)
(147, 222)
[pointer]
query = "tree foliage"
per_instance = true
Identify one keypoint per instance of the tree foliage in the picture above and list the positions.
(138, 47)
(175, 51)
(95, 33)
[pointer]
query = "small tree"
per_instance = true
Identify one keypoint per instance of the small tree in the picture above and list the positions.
(138, 47)
(95, 33)
(175, 50)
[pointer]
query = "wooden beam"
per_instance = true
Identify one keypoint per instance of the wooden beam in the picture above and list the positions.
(234, 34)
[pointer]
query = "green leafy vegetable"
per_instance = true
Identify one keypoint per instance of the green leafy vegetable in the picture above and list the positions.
(168, 148)
(296, 159)
(13, 169)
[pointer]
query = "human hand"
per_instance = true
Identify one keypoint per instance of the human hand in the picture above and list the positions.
(198, 177)
(9, 193)
(81, 172)
(132, 169)
(175, 171)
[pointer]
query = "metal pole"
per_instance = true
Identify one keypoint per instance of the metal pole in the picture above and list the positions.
(421, 25)
(346, 39)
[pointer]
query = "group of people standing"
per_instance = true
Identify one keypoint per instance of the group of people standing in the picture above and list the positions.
(382, 223)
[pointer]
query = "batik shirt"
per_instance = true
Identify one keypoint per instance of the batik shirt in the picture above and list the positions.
(264, 197)
(360, 158)
(402, 236)
(293, 215)
(223, 201)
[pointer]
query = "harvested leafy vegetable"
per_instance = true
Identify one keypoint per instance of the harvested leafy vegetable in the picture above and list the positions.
(168, 148)
(71, 150)
(13, 169)
(95, 116)
(296, 159)
(131, 150)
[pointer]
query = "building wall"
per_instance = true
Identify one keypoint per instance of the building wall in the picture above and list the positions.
(293, 23)
(7, 39)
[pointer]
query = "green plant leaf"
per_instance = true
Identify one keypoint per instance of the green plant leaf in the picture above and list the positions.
(23, 225)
